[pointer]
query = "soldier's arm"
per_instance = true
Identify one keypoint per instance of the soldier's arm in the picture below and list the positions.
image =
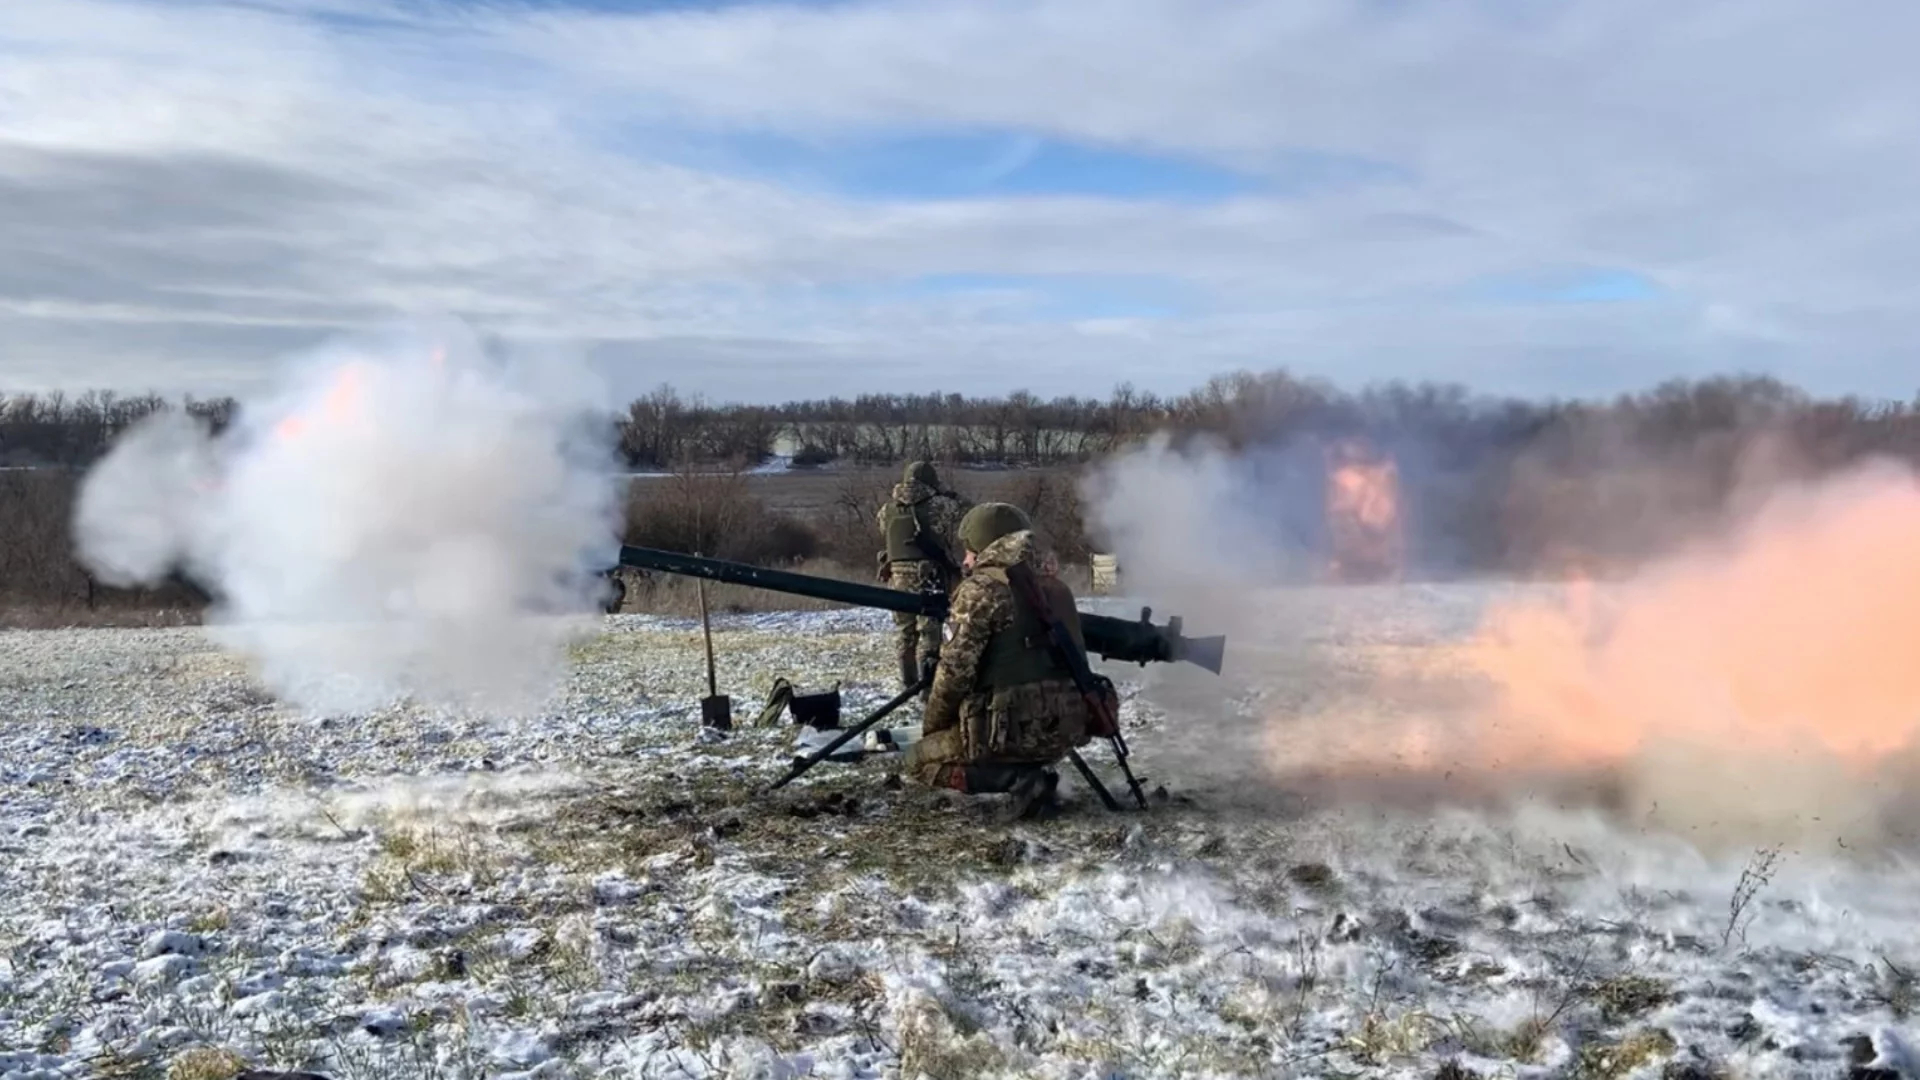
(977, 612)
(951, 511)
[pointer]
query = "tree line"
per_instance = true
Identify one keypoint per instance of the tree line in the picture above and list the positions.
(61, 430)
(665, 429)
(1486, 484)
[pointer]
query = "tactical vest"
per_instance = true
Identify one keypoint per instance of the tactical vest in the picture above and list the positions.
(1021, 653)
(906, 533)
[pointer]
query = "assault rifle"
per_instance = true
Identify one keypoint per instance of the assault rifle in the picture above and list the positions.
(1108, 637)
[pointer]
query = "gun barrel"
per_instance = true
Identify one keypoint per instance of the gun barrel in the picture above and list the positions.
(1126, 640)
(759, 577)
(1141, 642)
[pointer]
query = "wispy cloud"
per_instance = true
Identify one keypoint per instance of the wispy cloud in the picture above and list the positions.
(762, 199)
(972, 165)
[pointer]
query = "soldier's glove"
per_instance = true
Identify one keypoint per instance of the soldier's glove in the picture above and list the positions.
(880, 573)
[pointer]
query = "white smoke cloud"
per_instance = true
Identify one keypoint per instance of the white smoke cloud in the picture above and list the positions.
(1197, 526)
(1199, 531)
(404, 515)
(137, 508)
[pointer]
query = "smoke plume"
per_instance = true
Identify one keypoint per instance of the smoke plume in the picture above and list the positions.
(1761, 683)
(401, 515)
(1199, 525)
(1206, 533)
(1757, 682)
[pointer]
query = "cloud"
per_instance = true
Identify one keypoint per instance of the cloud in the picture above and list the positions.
(1576, 197)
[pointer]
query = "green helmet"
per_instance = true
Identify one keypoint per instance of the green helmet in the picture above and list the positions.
(989, 522)
(921, 471)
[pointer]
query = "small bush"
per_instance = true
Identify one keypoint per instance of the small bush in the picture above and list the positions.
(1052, 500)
(206, 1063)
(812, 457)
(847, 530)
(714, 514)
(41, 581)
(670, 594)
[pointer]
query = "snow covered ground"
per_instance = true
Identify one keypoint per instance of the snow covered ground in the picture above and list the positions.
(194, 880)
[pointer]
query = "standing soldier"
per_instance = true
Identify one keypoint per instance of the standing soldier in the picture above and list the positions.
(1004, 709)
(917, 526)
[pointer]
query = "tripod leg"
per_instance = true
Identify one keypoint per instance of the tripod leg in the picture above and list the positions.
(1093, 781)
(1120, 755)
(851, 733)
(1134, 785)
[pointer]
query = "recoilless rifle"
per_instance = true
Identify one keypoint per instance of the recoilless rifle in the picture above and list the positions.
(1110, 638)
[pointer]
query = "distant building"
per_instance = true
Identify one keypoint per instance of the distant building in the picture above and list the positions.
(1106, 574)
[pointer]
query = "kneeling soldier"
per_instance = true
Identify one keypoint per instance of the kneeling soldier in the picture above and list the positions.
(1003, 710)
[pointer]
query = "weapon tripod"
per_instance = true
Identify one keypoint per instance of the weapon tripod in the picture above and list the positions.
(925, 682)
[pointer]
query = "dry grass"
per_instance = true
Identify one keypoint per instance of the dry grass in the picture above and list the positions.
(70, 617)
(206, 1063)
(1607, 1060)
(419, 861)
(818, 835)
(1627, 997)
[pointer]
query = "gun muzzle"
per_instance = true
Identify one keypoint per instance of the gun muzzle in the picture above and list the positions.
(1206, 652)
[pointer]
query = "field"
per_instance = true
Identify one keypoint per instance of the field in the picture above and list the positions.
(199, 880)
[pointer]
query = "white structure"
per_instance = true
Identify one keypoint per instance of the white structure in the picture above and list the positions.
(1106, 574)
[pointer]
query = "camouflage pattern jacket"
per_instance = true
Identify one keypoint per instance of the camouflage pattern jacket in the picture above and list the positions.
(939, 513)
(1035, 722)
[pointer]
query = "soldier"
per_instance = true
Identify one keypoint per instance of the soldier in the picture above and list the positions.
(917, 525)
(1004, 709)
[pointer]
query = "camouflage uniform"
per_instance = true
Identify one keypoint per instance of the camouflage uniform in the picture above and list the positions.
(1003, 707)
(918, 525)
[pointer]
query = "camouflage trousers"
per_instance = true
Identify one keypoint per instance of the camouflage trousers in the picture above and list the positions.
(1020, 727)
(915, 637)
(931, 760)
(937, 762)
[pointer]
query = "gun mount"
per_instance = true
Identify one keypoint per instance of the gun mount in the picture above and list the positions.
(1108, 637)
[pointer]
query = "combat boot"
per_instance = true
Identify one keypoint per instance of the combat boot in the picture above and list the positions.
(909, 672)
(1032, 789)
(1035, 794)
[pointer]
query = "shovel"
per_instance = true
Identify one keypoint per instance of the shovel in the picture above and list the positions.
(716, 709)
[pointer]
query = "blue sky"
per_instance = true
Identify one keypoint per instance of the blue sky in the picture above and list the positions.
(1583, 286)
(758, 200)
(910, 166)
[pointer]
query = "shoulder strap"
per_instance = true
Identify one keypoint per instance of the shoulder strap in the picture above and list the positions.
(1026, 586)
(1096, 691)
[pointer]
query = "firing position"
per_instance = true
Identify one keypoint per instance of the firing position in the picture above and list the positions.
(1003, 710)
(917, 524)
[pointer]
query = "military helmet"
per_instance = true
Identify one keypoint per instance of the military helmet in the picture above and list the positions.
(921, 471)
(989, 522)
